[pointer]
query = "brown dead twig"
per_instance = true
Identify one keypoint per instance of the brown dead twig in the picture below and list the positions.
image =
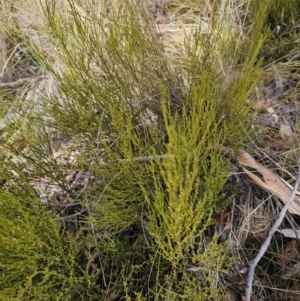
(19, 82)
(266, 243)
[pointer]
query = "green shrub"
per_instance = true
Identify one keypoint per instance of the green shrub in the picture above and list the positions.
(37, 261)
(151, 133)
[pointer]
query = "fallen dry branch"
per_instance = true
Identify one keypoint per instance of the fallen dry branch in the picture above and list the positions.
(19, 82)
(266, 243)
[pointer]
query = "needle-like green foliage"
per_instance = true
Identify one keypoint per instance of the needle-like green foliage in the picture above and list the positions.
(151, 131)
(37, 261)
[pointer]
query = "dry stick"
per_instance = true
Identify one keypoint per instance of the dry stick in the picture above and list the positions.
(266, 243)
(19, 82)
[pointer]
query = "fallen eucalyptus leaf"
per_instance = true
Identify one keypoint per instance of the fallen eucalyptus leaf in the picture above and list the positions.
(271, 182)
